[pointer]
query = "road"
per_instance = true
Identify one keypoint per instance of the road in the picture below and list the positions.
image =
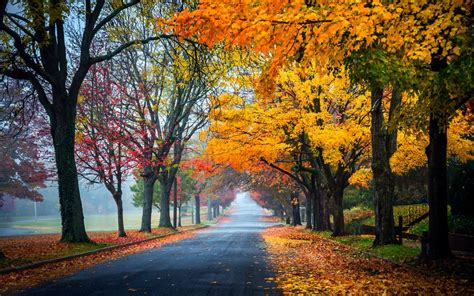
(226, 259)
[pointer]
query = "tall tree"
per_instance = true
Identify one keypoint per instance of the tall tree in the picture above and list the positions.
(35, 48)
(170, 83)
(101, 149)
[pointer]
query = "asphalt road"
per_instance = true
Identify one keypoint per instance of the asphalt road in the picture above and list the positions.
(226, 259)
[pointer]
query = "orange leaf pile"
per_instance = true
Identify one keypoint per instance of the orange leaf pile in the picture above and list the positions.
(307, 264)
(27, 278)
(38, 247)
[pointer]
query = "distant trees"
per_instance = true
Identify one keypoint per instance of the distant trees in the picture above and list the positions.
(22, 169)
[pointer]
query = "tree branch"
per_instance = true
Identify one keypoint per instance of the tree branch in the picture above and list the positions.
(111, 16)
(262, 159)
(124, 46)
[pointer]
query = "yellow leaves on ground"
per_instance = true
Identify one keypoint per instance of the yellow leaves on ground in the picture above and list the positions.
(307, 264)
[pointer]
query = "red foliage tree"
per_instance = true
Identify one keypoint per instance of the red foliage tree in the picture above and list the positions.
(21, 143)
(101, 149)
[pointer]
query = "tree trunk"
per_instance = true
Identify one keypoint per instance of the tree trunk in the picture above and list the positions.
(72, 217)
(179, 216)
(437, 191)
(323, 210)
(338, 213)
(318, 206)
(309, 211)
(165, 220)
(317, 217)
(296, 211)
(382, 175)
(175, 203)
(148, 188)
(197, 202)
(121, 228)
(327, 208)
(209, 209)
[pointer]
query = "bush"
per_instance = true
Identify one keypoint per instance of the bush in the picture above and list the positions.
(354, 197)
(461, 186)
(461, 224)
(355, 217)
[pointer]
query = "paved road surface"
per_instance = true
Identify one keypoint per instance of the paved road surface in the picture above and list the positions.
(227, 259)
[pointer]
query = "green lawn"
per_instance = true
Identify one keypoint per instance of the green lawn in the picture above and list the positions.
(108, 222)
(398, 253)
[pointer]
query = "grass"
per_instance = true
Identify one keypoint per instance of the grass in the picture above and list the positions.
(107, 222)
(398, 253)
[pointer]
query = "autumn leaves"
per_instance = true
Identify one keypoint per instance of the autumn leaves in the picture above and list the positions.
(308, 264)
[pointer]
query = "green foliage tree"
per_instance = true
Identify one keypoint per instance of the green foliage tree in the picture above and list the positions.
(138, 187)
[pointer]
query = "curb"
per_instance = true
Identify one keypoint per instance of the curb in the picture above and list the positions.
(69, 257)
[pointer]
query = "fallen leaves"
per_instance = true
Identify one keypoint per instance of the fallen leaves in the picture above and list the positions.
(27, 278)
(27, 249)
(305, 263)
(271, 219)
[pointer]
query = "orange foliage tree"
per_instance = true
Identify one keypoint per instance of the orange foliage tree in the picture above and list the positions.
(400, 45)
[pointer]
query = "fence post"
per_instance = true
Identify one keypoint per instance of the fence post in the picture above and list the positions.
(400, 230)
(424, 245)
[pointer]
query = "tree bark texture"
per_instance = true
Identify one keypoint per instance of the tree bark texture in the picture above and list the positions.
(382, 174)
(197, 204)
(438, 246)
(72, 217)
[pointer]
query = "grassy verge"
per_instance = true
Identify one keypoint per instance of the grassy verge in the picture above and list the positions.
(397, 253)
(23, 250)
(105, 222)
(72, 249)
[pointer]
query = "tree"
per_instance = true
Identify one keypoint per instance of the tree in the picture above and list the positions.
(35, 49)
(201, 169)
(314, 130)
(417, 36)
(101, 145)
(22, 169)
(137, 189)
(22, 172)
(22, 143)
(170, 82)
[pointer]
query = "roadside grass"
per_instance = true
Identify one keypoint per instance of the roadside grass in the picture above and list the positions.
(357, 216)
(106, 222)
(397, 253)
